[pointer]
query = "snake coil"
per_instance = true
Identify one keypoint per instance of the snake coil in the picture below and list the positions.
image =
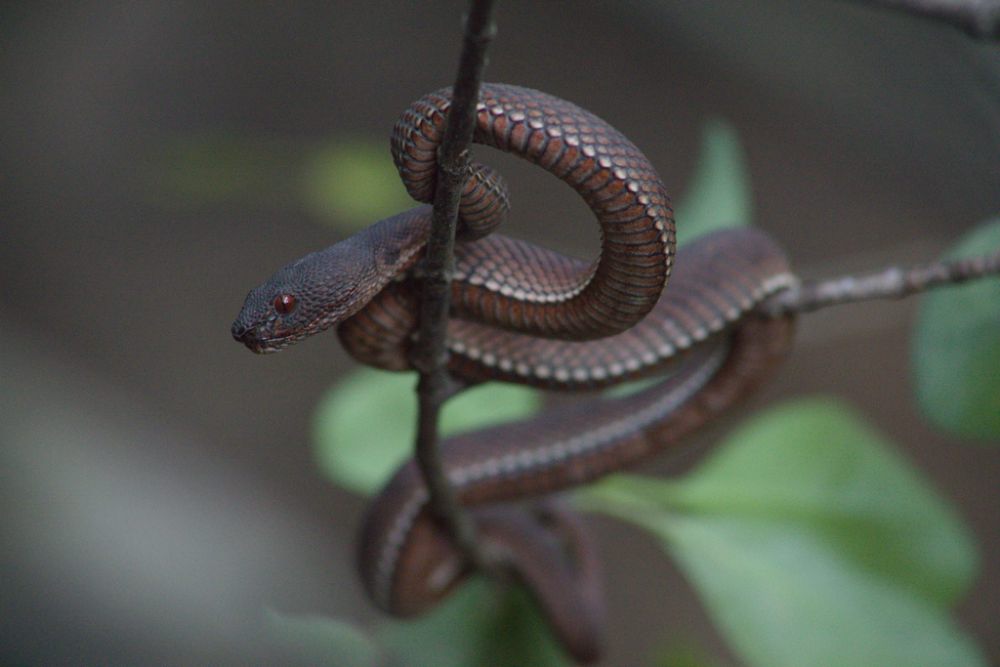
(527, 314)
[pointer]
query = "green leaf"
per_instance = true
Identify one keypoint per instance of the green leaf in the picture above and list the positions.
(318, 640)
(816, 464)
(363, 427)
(682, 655)
(353, 183)
(784, 598)
(478, 626)
(719, 195)
(812, 542)
(956, 349)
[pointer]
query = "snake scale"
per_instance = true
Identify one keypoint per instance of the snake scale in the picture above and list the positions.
(527, 314)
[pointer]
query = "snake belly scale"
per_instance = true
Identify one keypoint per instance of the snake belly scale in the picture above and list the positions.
(523, 313)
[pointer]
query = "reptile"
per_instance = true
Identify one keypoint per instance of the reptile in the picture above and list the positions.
(527, 314)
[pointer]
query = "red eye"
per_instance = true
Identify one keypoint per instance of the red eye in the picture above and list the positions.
(284, 303)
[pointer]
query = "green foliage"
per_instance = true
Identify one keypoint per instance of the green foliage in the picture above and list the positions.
(816, 465)
(480, 625)
(719, 195)
(784, 598)
(364, 426)
(349, 182)
(682, 655)
(809, 539)
(811, 543)
(956, 349)
(353, 183)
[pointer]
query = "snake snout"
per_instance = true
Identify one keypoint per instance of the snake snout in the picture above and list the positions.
(247, 334)
(239, 331)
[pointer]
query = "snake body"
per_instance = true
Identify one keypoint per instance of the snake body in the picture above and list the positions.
(526, 314)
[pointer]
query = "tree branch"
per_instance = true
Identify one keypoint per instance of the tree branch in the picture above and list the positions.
(979, 18)
(891, 283)
(429, 354)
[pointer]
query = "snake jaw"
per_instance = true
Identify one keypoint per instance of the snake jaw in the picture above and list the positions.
(258, 346)
(254, 341)
(268, 336)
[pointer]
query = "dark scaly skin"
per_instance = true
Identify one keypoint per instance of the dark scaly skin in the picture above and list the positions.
(721, 279)
(534, 290)
(408, 564)
(331, 285)
(505, 294)
(519, 286)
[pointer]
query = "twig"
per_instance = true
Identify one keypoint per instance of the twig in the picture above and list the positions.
(891, 283)
(429, 354)
(979, 18)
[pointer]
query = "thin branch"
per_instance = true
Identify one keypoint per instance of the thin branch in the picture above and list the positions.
(430, 353)
(891, 283)
(979, 18)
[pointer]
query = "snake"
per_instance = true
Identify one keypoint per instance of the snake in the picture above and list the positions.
(528, 314)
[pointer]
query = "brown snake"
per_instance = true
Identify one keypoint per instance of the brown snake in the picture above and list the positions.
(526, 314)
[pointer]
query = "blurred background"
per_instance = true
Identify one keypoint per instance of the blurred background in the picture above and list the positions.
(159, 484)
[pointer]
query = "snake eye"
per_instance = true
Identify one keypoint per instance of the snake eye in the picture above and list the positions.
(284, 303)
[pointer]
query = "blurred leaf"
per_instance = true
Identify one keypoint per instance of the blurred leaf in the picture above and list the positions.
(349, 182)
(320, 641)
(478, 626)
(364, 425)
(623, 389)
(212, 169)
(719, 195)
(816, 464)
(812, 543)
(353, 183)
(682, 655)
(956, 349)
(784, 598)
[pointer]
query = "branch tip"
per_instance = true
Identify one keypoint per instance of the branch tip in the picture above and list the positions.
(890, 283)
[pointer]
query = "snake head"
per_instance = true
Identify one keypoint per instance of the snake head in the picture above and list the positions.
(303, 298)
(325, 288)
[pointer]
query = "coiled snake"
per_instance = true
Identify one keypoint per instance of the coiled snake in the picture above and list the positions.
(523, 313)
